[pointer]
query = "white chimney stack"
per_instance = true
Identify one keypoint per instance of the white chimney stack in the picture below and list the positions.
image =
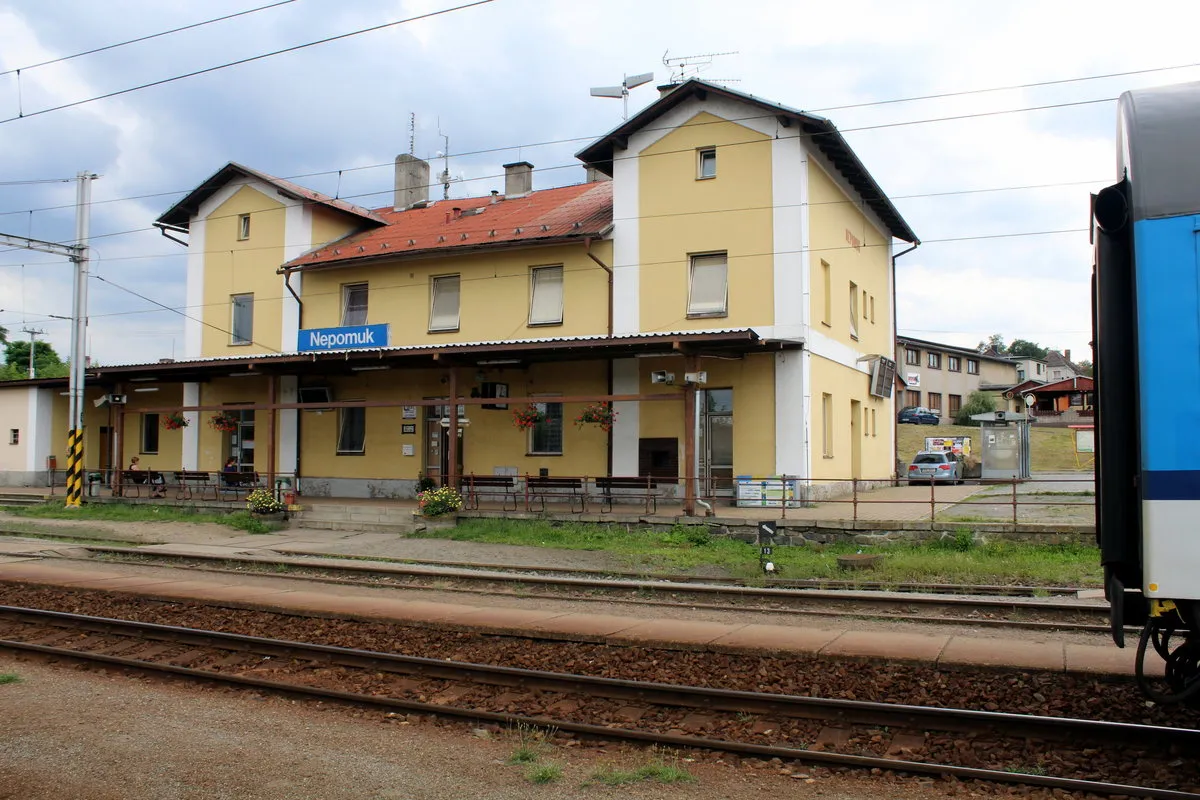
(412, 182)
(518, 179)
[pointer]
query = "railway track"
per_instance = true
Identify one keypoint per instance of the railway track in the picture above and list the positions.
(1097, 757)
(936, 607)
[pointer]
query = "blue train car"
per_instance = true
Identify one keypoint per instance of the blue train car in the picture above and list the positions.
(1146, 329)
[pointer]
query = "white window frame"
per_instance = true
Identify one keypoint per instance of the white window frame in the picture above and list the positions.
(550, 279)
(933, 360)
(973, 366)
(707, 309)
(445, 325)
(826, 425)
(853, 310)
(348, 289)
(243, 223)
(706, 156)
(912, 357)
(237, 337)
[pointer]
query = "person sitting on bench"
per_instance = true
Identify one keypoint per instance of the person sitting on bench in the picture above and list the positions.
(138, 475)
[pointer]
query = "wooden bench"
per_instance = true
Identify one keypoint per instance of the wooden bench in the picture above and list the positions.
(541, 489)
(235, 482)
(132, 481)
(502, 486)
(186, 481)
(644, 489)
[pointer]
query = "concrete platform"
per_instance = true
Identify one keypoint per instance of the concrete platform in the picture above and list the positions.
(944, 650)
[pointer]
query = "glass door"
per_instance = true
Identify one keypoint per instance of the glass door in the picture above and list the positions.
(716, 442)
(437, 442)
(241, 440)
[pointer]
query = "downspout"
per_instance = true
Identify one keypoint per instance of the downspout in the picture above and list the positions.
(287, 275)
(287, 281)
(587, 248)
(895, 424)
(164, 227)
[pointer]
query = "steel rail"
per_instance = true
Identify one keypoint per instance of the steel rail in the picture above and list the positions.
(639, 690)
(655, 586)
(853, 711)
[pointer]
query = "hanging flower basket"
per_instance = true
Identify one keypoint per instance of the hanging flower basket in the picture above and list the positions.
(601, 414)
(525, 418)
(226, 423)
(174, 421)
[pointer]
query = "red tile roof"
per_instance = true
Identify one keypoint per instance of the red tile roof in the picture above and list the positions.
(566, 213)
(1080, 384)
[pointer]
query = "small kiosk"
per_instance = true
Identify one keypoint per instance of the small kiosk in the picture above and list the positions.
(1004, 445)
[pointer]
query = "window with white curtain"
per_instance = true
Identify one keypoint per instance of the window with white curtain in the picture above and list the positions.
(443, 311)
(546, 296)
(354, 304)
(708, 287)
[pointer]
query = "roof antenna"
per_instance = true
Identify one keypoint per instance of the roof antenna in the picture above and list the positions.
(412, 133)
(627, 82)
(684, 68)
(445, 177)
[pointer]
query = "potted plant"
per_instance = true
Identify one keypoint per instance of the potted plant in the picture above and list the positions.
(174, 421)
(437, 508)
(525, 418)
(601, 414)
(261, 503)
(223, 422)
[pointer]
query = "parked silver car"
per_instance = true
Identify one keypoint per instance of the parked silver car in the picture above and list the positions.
(930, 466)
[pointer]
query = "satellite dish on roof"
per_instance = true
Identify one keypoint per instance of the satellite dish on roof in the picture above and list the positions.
(622, 92)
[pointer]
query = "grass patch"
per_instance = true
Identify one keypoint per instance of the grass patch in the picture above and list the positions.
(657, 770)
(531, 743)
(119, 512)
(959, 558)
(9, 677)
(543, 773)
(1051, 449)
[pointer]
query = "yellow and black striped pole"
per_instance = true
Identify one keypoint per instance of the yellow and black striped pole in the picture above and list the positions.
(74, 467)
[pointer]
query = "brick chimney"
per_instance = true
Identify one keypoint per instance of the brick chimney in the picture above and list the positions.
(518, 179)
(412, 182)
(1067, 355)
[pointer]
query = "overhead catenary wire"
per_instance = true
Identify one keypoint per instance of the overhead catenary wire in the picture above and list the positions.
(246, 60)
(146, 38)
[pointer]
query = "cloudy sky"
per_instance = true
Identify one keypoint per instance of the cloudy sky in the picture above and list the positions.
(503, 79)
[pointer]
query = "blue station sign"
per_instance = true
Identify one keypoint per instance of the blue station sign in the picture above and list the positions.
(348, 338)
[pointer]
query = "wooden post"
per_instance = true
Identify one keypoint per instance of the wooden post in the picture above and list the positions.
(452, 449)
(690, 469)
(272, 414)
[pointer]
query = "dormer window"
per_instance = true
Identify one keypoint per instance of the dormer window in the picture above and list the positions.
(706, 163)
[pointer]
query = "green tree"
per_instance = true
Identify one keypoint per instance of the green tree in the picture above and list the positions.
(3, 335)
(46, 362)
(1085, 366)
(977, 403)
(1027, 349)
(993, 344)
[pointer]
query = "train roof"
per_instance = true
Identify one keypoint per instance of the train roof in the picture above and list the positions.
(1157, 144)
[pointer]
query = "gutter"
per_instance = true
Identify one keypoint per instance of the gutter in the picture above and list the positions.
(163, 228)
(895, 423)
(287, 276)
(587, 249)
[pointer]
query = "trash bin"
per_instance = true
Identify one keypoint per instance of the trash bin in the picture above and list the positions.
(94, 479)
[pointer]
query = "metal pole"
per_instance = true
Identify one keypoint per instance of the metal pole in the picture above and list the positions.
(78, 356)
(32, 346)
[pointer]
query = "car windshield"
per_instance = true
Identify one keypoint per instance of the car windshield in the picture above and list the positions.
(930, 458)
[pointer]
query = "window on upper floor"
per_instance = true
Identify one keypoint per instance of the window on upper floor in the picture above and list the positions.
(973, 366)
(243, 229)
(706, 163)
(933, 360)
(912, 357)
(241, 313)
(354, 304)
(1058, 374)
(14, 435)
(1021, 375)
(872, 309)
(546, 296)
(853, 310)
(546, 436)
(708, 286)
(827, 308)
(954, 363)
(443, 303)
(1041, 368)
(827, 425)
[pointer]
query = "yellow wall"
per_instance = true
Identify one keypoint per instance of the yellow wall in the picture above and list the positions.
(831, 216)
(846, 385)
(676, 221)
(170, 443)
(233, 266)
(328, 225)
(753, 383)
(493, 301)
(14, 413)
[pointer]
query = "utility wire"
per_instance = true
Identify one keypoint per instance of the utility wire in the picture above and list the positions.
(28, 67)
(248, 60)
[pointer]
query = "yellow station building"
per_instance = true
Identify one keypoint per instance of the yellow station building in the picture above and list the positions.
(723, 283)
